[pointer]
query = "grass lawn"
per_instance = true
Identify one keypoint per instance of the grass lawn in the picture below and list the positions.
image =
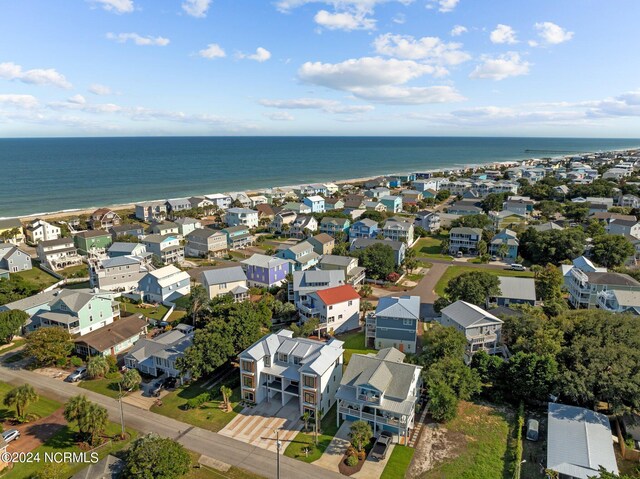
(353, 343)
(37, 277)
(484, 438)
(398, 462)
(176, 315)
(455, 271)
(15, 344)
(105, 386)
(14, 358)
(82, 285)
(43, 407)
(65, 440)
(204, 472)
(152, 312)
(429, 247)
(304, 440)
(79, 271)
(208, 416)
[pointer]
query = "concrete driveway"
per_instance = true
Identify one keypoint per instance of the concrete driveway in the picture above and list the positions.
(256, 425)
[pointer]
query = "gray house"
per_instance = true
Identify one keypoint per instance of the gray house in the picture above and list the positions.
(515, 291)
(464, 239)
(394, 323)
(204, 242)
(13, 259)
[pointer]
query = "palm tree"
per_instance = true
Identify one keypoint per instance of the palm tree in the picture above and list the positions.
(365, 307)
(226, 398)
(360, 434)
(306, 417)
(503, 250)
(536, 269)
(20, 398)
(130, 380)
(91, 418)
(97, 367)
(197, 300)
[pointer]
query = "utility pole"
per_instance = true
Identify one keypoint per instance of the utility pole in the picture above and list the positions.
(122, 433)
(277, 454)
(315, 420)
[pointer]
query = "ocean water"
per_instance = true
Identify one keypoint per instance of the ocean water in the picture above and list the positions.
(46, 175)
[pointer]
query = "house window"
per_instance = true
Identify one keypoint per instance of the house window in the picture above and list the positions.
(407, 322)
(283, 357)
(248, 396)
(247, 366)
(309, 397)
(267, 361)
(309, 381)
(350, 303)
(247, 381)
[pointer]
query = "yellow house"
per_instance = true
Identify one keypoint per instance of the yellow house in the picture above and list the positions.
(11, 231)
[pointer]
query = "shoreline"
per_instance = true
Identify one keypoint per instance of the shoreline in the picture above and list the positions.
(56, 215)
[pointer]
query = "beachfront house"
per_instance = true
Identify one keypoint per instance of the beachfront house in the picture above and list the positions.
(222, 281)
(337, 309)
(58, 254)
(164, 285)
(176, 206)
(220, 200)
(241, 217)
(302, 255)
(92, 242)
(282, 369)
(481, 328)
(157, 356)
(315, 202)
(103, 218)
(364, 228)
(39, 230)
(79, 311)
(266, 271)
(382, 390)
(238, 237)
(394, 323)
(11, 230)
(166, 248)
(153, 210)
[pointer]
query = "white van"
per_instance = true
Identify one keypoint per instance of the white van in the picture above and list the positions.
(517, 267)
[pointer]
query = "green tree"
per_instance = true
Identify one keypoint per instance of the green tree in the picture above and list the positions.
(472, 221)
(20, 398)
(365, 291)
(548, 209)
(552, 246)
(306, 417)
(488, 366)
(410, 261)
(530, 376)
(378, 259)
(154, 457)
(595, 229)
(493, 202)
(549, 282)
(340, 249)
(443, 403)
(52, 470)
(91, 418)
(360, 434)
(452, 371)
(48, 345)
(473, 287)
(131, 380)
(373, 215)
(440, 342)
(604, 474)
(578, 212)
(226, 392)
(482, 248)
(97, 367)
(611, 251)
(306, 329)
(11, 323)
(197, 300)
(442, 195)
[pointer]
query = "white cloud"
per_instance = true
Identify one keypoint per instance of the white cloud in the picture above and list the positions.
(37, 76)
(458, 30)
(498, 68)
(444, 6)
(281, 116)
(328, 106)
(503, 34)
(77, 99)
(139, 39)
(196, 8)
(261, 55)
(98, 89)
(116, 6)
(213, 50)
(399, 18)
(428, 49)
(379, 80)
(347, 21)
(286, 6)
(19, 101)
(553, 34)
(532, 43)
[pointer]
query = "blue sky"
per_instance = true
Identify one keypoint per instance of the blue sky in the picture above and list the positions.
(315, 67)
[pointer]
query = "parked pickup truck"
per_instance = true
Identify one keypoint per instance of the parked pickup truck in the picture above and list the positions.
(381, 446)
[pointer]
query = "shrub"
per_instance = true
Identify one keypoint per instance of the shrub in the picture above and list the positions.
(393, 277)
(352, 461)
(113, 364)
(76, 361)
(197, 401)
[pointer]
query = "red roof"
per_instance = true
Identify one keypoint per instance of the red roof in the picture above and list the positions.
(339, 294)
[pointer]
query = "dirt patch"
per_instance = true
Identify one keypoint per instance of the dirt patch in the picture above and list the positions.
(56, 373)
(34, 434)
(436, 444)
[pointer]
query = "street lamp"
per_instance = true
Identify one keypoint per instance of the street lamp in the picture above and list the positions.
(278, 445)
(121, 410)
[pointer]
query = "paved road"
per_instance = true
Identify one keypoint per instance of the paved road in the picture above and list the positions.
(251, 458)
(425, 288)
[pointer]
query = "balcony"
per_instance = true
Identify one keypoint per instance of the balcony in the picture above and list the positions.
(391, 421)
(308, 310)
(275, 384)
(483, 338)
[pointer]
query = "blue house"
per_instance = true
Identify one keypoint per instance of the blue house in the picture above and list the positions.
(316, 203)
(365, 228)
(505, 245)
(394, 323)
(331, 226)
(392, 203)
(266, 271)
(301, 255)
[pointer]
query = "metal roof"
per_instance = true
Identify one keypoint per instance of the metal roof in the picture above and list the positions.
(223, 275)
(405, 307)
(467, 314)
(517, 288)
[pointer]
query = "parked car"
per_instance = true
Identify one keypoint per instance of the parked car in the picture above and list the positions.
(381, 446)
(459, 254)
(517, 267)
(155, 388)
(533, 427)
(11, 435)
(494, 258)
(77, 375)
